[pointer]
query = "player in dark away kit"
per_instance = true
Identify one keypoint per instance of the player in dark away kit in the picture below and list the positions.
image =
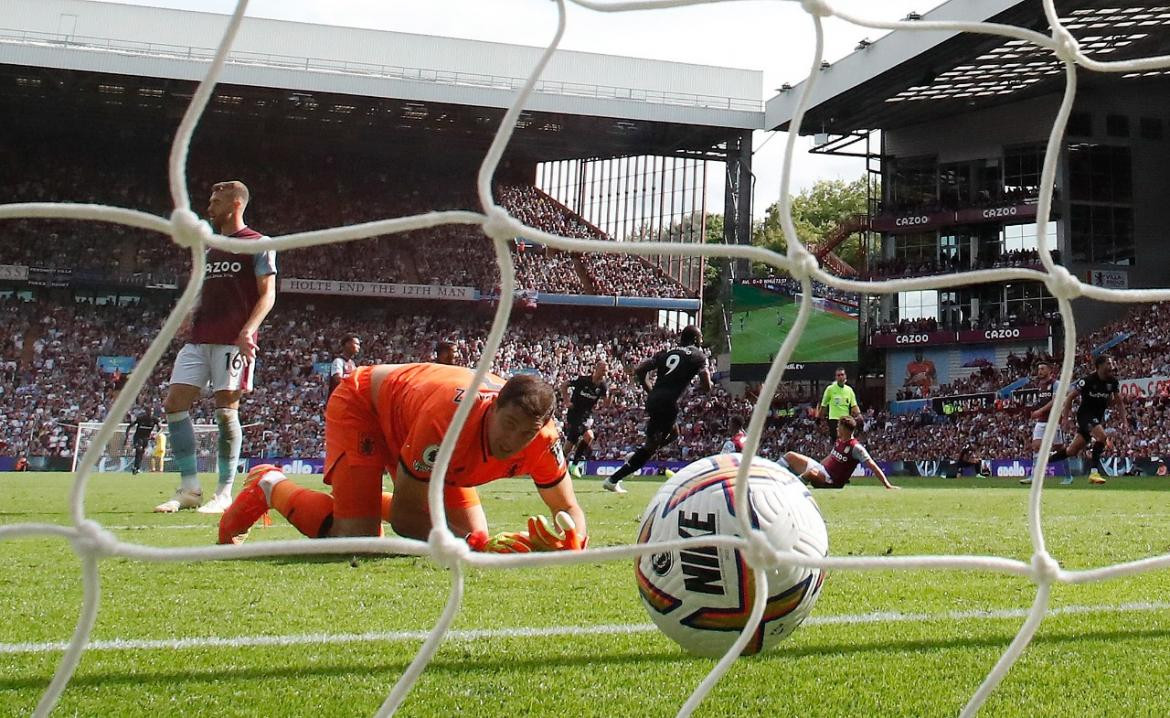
(584, 392)
(1097, 391)
(674, 369)
(144, 426)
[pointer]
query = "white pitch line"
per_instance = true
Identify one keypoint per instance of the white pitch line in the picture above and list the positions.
(168, 527)
(122, 644)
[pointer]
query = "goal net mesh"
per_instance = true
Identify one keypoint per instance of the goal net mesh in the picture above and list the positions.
(117, 454)
(94, 544)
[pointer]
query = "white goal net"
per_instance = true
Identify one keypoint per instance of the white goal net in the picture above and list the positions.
(117, 454)
(94, 544)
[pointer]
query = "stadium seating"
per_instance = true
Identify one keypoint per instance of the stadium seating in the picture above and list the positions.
(897, 267)
(50, 350)
(303, 196)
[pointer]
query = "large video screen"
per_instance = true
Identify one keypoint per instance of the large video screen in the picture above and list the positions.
(763, 312)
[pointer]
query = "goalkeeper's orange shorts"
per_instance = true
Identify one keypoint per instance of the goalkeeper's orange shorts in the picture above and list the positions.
(357, 453)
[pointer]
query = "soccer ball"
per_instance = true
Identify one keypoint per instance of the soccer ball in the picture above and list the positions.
(702, 597)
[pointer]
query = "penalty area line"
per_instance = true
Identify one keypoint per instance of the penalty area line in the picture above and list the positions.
(176, 644)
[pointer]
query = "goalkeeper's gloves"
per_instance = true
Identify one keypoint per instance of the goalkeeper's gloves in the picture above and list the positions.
(558, 535)
(503, 542)
(542, 535)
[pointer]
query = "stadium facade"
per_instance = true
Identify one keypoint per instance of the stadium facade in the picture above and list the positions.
(330, 126)
(954, 126)
(623, 142)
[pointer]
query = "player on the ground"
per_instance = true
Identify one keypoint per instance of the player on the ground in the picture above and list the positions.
(582, 394)
(144, 426)
(1046, 387)
(445, 352)
(238, 292)
(838, 401)
(392, 417)
(834, 471)
(674, 369)
(344, 365)
(734, 445)
(1097, 391)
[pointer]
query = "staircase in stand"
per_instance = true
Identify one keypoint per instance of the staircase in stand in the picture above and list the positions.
(824, 253)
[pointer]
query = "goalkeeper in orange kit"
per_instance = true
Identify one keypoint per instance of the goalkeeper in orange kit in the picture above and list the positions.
(392, 417)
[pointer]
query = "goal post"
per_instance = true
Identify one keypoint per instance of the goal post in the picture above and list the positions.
(118, 454)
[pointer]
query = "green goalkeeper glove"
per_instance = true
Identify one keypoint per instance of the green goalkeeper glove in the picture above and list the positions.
(557, 535)
(503, 542)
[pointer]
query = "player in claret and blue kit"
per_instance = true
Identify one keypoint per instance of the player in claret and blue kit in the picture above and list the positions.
(1096, 391)
(836, 469)
(238, 292)
(1046, 387)
(734, 445)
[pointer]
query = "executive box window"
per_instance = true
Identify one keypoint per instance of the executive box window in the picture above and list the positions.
(1021, 170)
(1080, 124)
(919, 247)
(1101, 234)
(1100, 173)
(1117, 125)
(915, 183)
(1100, 215)
(1150, 128)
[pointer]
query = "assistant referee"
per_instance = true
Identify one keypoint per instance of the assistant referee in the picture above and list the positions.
(840, 401)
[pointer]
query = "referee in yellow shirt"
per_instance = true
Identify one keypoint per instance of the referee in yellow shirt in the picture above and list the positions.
(840, 401)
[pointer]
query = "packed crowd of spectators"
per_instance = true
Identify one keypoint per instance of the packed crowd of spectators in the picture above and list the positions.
(898, 267)
(992, 317)
(49, 380)
(293, 195)
(56, 383)
(950, 200)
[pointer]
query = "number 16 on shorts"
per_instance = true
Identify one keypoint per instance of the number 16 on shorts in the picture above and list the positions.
(219, 365)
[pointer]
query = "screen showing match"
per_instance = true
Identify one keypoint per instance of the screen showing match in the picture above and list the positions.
(764, 310)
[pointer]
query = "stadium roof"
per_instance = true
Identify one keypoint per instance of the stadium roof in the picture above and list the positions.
(908, 77)
(428, 73)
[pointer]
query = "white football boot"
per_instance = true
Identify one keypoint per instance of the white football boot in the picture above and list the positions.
(218, 503)
(183, 499)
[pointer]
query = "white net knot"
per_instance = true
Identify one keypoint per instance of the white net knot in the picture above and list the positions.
(1062, 284)
(804, 262)
(446, 549)
(1045, 569)
(93, 539)
(820, 8)
(499, 224)
(188, 230)
(1068, 49)
(760, 553)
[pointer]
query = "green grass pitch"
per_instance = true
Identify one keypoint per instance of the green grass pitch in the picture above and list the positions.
(879, 643)
(756, 336)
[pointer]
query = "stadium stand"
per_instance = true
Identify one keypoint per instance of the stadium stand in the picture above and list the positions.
(897, 267)
(311, 196)
(50, 352)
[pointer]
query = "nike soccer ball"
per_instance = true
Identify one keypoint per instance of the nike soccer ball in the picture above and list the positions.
(702, 597)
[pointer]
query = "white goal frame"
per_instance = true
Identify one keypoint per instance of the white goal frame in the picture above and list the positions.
(93, 543)
(203, 434)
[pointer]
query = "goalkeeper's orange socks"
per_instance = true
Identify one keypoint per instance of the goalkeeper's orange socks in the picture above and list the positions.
(310, 511)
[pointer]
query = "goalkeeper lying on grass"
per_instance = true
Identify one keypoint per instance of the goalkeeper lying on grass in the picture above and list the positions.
(393, 417)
